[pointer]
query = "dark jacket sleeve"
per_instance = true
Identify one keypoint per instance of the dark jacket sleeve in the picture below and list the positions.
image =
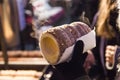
(118, 51)
(118, 55)
(118, 64)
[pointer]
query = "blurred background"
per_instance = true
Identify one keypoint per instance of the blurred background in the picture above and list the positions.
(21, 23)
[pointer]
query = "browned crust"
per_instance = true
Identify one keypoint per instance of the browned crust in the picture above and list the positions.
(74, 32)
(66, 28)
(82, 28)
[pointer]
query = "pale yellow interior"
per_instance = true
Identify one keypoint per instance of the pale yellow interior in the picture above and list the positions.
(49, 48)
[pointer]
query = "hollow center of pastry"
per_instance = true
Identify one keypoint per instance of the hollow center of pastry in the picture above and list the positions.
(50, 49)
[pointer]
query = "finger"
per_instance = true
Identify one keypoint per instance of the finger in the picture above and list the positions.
(111, 48)
(77, 51)
(108, 52)
(108, 60)
(108, 55)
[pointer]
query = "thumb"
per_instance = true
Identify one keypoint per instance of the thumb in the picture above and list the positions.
(77, 51)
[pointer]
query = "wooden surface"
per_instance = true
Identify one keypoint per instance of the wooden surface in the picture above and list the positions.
(24, 57)
(24, 60)
(20, 74)
(20, 53)
(22, 65)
